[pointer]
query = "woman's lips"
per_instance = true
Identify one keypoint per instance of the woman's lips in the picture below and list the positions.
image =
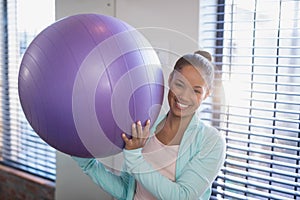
(181, 106)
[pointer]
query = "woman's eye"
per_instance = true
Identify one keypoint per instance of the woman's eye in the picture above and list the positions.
(179, 85)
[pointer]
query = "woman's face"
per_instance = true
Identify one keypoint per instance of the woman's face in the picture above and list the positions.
(187, 90)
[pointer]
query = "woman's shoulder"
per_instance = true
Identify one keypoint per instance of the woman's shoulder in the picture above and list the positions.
(208, 131)
(202, 124)
(209, 128)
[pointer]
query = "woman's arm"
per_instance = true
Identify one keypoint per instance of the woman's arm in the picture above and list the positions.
(113, 184)
(196, 177)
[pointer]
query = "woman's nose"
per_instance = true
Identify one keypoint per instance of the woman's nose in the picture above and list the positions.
(183, 95)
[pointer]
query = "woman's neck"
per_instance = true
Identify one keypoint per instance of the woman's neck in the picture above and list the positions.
(171, 130)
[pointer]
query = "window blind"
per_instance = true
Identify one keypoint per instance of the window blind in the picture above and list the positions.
(20, 146)
(256, 99)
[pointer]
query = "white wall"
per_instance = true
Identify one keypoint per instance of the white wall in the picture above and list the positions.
(171, 26)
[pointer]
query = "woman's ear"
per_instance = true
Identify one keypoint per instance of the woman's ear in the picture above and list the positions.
(208, 93)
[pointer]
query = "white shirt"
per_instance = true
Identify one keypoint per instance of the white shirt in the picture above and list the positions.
(162, 158)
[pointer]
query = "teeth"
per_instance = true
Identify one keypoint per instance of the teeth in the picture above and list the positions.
(182, 105)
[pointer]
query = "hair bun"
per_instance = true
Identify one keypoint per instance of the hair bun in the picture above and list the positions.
(205, 54)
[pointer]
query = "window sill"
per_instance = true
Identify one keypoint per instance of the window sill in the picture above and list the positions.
(16, 184)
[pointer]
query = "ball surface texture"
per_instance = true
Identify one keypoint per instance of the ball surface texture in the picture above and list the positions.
(85, 79)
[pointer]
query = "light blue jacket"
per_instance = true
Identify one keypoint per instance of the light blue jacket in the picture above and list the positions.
(201, 156)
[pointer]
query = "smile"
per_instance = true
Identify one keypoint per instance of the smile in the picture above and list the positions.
(181, 106)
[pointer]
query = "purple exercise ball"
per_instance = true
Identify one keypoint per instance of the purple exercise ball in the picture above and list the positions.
(85, 79)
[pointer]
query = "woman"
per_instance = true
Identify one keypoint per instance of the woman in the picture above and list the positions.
(180, 156)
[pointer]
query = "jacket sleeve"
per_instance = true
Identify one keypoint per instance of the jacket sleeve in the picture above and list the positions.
(114, 184)
(195, 178)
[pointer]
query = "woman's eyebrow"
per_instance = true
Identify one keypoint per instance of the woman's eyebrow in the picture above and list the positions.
(179, 80)
(198, 86)
(195, 87)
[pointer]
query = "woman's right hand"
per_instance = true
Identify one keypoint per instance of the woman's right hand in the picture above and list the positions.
(139, 136)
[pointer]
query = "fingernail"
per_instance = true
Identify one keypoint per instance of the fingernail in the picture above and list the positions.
(139, 123)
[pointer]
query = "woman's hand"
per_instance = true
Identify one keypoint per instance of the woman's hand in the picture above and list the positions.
(139, 136)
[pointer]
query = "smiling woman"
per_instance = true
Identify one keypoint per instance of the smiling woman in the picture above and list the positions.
(181, 88)
(188, 90)
(192, 151)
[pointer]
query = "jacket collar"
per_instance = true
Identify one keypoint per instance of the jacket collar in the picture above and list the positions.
(194, 123)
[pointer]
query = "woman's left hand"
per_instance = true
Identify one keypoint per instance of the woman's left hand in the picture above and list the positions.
(139, 136)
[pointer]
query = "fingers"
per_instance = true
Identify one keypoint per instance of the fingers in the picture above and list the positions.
(127, 141)
(134, 131)
(139, 134)
(139, 129)
(147, 128)
(125, 138)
